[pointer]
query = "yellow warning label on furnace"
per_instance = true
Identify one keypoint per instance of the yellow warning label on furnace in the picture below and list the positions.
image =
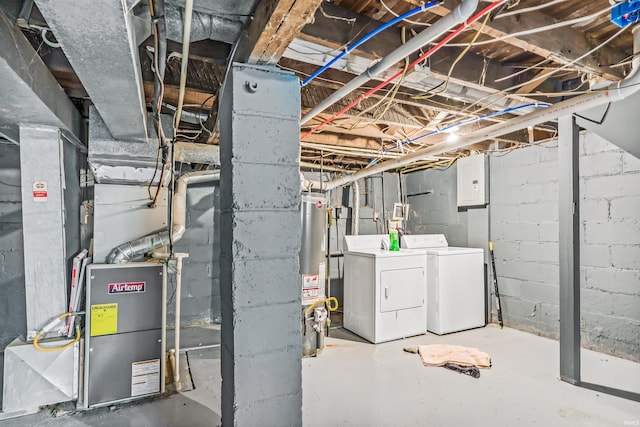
(104, 319)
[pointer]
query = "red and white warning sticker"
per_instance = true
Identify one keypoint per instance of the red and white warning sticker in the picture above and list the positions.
(40, 191)
(310, 288)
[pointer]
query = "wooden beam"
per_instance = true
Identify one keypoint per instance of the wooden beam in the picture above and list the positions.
(275, 24)
(190, 96)
(335, 33)
(566, 43)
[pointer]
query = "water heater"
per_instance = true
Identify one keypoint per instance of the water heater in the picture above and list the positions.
(313, 248)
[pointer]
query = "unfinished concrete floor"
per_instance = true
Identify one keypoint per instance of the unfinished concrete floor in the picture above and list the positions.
(354, 383)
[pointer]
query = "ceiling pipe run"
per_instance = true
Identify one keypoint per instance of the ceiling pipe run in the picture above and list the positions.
(615, 92)
(440, 27)
(130, 251)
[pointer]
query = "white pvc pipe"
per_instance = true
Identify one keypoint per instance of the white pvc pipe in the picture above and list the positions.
(444, 24)
(355, 223)
(615, 92)
(176, 343)
(186, 40)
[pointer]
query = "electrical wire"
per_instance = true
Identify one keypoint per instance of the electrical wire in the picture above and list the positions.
(529, 9)
(427, 54)
(476, 119)
(49, 327)
(455, 62)
(423, 24)
(517, 73)
(505, 92)
(539, 29)
(347, 49)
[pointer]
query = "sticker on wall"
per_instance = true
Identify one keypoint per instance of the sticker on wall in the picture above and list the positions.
(104, 319)
(40, 191)
(145, 377)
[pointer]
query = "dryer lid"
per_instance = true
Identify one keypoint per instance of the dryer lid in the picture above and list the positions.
(422, 241)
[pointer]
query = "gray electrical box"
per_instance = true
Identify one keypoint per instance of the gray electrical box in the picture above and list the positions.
(124, 345)
(472, 179)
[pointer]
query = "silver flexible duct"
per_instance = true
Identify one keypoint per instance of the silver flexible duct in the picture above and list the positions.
(130, 251)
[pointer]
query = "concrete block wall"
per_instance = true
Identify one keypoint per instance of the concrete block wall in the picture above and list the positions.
(610, 247)
(436, 212)
(201, 271)
(524, 228)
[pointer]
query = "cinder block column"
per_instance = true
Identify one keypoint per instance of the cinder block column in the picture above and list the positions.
(260, 242)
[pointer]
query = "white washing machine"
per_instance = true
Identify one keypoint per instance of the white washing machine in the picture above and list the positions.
(384, 291)
(455, 283)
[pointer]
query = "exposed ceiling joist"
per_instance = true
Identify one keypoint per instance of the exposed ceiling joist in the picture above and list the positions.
(565, 44)
(337, 27)
(275, 24)
(191, 97)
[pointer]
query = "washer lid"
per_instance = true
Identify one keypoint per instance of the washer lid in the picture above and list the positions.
(383, 253)
(452, 250)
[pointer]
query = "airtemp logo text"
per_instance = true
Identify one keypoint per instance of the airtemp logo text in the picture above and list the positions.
(126, 288)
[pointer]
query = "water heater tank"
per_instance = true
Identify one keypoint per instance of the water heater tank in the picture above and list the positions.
(313, 247)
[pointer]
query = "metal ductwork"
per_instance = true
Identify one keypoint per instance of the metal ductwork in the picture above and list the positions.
(615, 92)
(29, 92)
(100, 43)
(133, 250)
(457, 16)
(190, 152)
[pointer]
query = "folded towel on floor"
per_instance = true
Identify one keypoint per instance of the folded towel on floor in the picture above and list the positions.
(441, 354)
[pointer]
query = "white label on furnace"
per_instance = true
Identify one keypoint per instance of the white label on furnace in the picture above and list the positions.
(145, 377)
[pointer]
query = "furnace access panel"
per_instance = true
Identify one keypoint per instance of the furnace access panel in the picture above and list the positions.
(124, 345)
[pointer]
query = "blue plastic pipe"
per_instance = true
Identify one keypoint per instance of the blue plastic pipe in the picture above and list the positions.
(368, 36)
(472, 120)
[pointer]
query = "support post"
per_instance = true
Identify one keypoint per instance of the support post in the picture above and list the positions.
(569, 205)
(260, 243)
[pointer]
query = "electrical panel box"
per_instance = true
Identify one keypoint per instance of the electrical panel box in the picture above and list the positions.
(472, 181)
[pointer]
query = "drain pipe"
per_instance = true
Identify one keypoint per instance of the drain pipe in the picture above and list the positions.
(615, 92)
(457, 16)
(355, 220)
(131, 250)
